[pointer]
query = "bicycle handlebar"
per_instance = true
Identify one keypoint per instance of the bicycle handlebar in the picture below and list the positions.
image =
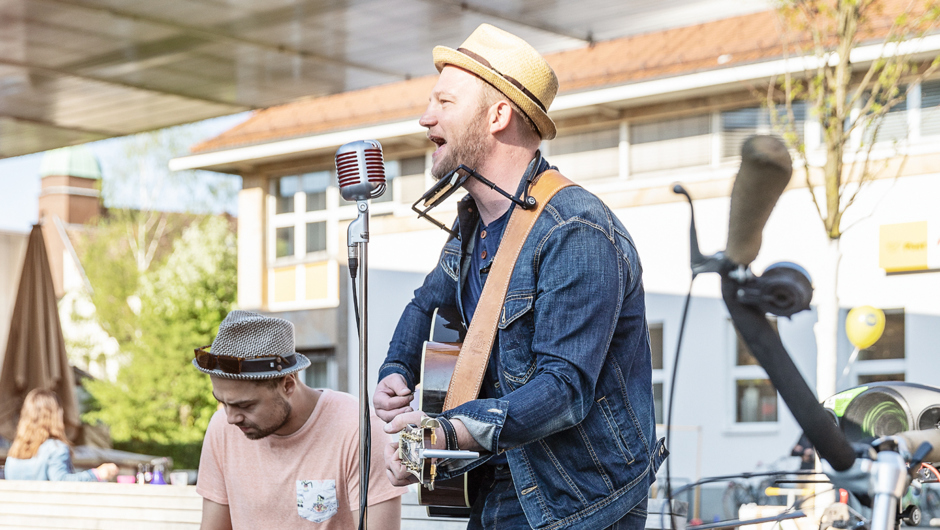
(765, 172)
(914, 439)
(766, 347)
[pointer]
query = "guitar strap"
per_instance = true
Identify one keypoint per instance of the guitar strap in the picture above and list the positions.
(475, 353)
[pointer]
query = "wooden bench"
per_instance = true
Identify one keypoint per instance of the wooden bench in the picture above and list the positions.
(86, 505)
(80, 505)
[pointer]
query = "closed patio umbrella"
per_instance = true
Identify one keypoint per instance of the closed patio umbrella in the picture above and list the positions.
(35, 355)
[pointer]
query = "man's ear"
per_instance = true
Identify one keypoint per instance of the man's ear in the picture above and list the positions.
(289, 384)
(499, 116)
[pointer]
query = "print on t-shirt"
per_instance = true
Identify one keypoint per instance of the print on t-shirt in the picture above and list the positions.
(316, 499)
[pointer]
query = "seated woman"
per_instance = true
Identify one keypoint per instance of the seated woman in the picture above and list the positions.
(40, 450)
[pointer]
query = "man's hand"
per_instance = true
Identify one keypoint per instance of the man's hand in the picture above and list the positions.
(396, 472)
(392, 398)
(106, 472)
(412, 417)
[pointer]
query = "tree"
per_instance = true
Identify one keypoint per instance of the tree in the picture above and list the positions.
(850, 101)
(140, 189)
(158, 396)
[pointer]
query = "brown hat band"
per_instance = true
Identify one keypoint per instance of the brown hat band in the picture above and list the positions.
(511, 80)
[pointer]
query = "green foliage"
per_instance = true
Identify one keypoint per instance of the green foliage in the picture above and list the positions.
(113, 276)
(185, 456)
(158, 396)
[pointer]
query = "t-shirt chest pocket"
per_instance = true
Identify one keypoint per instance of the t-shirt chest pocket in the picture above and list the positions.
(316, 500)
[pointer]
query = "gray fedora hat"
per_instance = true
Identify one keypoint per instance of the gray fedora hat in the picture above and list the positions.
(251, 346)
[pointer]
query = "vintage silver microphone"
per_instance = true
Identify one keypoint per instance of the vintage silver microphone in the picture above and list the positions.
(360, 171)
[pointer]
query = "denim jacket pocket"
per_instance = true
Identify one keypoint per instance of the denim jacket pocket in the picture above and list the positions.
(515, 358)
(614, 430)
(450, 263)
(516, 305)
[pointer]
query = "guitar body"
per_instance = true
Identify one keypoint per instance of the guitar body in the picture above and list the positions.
(453, 497)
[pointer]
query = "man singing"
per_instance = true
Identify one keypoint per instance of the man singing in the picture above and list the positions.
(564, 421)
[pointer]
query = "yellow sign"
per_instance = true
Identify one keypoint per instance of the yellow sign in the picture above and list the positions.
(904, 247)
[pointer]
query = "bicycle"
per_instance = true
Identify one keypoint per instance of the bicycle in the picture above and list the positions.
(875, 474)
(753, 489)
(741, 492)
(921, 502)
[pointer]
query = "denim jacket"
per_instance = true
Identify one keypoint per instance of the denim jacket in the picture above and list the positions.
(576, 418)
(51, 462)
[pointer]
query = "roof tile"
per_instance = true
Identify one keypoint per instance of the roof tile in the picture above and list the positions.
(738, 40)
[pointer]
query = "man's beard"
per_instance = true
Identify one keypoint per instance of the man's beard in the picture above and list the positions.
(280, 420)
(466, 148)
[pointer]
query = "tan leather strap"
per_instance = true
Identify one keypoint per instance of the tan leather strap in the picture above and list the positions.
(475, 354)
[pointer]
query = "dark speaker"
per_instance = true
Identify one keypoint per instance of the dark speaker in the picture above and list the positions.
(880, 409)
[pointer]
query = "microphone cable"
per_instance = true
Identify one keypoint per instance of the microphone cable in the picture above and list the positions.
(672, 393)
(367, 458)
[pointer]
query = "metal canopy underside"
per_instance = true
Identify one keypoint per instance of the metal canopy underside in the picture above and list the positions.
(73, 71)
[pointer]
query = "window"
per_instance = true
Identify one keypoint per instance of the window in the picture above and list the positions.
(284, 189)
(930, 108)
(878, 378)
(316, 237)
(404, 180)
(669, 144)
(892, 126)
(755, 398)
(891, 343)
(314, 187)
(305, 211)
(756, 401)
(284, 246)
(656, 348)
(740, 124)
(410, 180)
(320, 372)
(884, 360)
(588, 154)
(300, 233)
(302, 223)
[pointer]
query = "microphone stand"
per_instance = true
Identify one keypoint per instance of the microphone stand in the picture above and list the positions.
(358, 239)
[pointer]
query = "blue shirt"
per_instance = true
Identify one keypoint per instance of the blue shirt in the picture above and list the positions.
(53, 461)
(485, 243)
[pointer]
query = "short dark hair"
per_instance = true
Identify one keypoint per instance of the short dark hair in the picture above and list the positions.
(270, 383)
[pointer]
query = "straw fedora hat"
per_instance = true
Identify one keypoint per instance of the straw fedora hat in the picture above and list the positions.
(512, 66)
(251, 346)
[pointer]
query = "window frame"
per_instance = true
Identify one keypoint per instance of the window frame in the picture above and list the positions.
(659, 374)
(744, 372)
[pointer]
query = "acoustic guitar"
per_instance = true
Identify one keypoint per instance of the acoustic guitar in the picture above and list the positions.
(444, 498)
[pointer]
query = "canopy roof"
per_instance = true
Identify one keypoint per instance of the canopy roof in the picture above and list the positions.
(73, 71)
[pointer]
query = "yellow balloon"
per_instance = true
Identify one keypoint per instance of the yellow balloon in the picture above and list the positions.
(864, 326)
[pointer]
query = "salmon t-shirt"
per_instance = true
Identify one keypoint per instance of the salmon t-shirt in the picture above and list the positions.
(308, 479)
